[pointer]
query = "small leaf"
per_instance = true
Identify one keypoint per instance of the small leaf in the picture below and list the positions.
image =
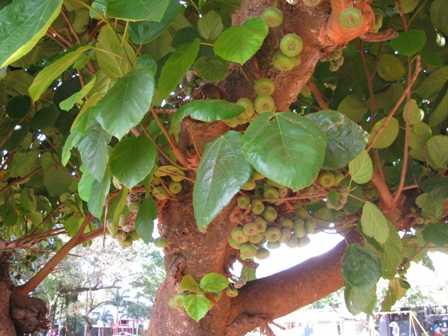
(346, 139)
(361, 168)
(360, 267)
(387, 135)
(437, 151)
(416, 113)
(51, 72)
(126, 103)
(144, 223)
(360, 300)
(410, 42)
(98, 198)
(214, 282)
(390, 68)
(176, 66)
(68, 103)
(436, 233)
(137, 10)
(188, 283)
(208, 110)
(239, 43)
(22, 25)
(286, 148)
(222, 172)
(139, 151)
(374, 223)
(197, 306)
(212, 69)
(210, 26)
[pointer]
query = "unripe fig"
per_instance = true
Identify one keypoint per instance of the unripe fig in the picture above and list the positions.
(264, 86)
(249, 185)
(160, 242)
(350, 18)
(271, 192)
(304, 241)
(340, 61)
(272, 17)
(247, 251)
(299, 228)
(293, 242)
(175, 173)
(257, 176)
(243, 202)
(121, 220)
(231, 292)
(291, 45)
(134, 206)
(282, 62)
(297, 60)
(292, 2)
(250, 229)
(326, 179)
(285, 236)
(238, 235)
(134, 236)
(257, 207)
(283, 192)
(159, 193)
(311, 3)
(256, 238)
(240, 282)
(310, 225)
(125, 243)
(272, 234)
(302, 213)
(338, 177)
(264, 103)
(334, 67)
(177, 301)
(262, 253)
(248, 106)
(261, 224)
(112, 230)
(336, 54)
(175, 187)
(287, 223)
(121, 236)
(233, 243)
(270, 213)
(273, 245)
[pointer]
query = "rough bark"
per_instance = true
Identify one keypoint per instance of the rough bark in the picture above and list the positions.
(6, 325)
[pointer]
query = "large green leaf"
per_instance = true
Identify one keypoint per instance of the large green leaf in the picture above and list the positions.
(98, 197)
(141, 152)
(392, 254)
(212, 69)
(176, 66)
(210, 25)
(196, 305)
(144, 223)
(387, 135)
(390, 68)
(188, 283)
(22, 24)
(126, 103)
(286, 148)
(361, 168)
(437, 151)
(436, 233)
(440, 114)
(94, 152)
(359, 300)
(431, 206)
(239, 43)
(209, 110)
(439, 13)
(137, 10)
(145, 31)
(113, 55)
(374, 223)
(57, 180)
(50, 73)
(410, 42)
(214, 282)
(222, 172)
(353, 107)
(346, 139)
(360, 267)
(433, 84)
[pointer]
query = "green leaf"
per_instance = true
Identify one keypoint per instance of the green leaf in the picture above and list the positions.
(437, 186)
(440, 114)
(72, 225)
(176, 66)
(137, 10)
(126, 103)
(139, 151)
(45, 117)
(98, 198)
(209, 110)
(77, 97)
(239, 43)
(94, 151)
(112, 55)
(346, 139)
(145, 31)
(387, 135)
(361, 168)
(50, 73)
(22, 24)
(360, 300)
(392, 254)
(410, 42)
(214, 282)
(374, 223)
(57, 180)
(210, 26)
(436, 233)
(433, 84)
(353, 107)
(286, 148)
(439, 13)
(390, 68)
(144, 223)
(360, 267)
(85, 186)
(394, 293)
(437, 151)
(18, 107)
(222, 172)
(416, 113)
(212, 69)
(196, 305)
(432, 207)
(188, 283)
